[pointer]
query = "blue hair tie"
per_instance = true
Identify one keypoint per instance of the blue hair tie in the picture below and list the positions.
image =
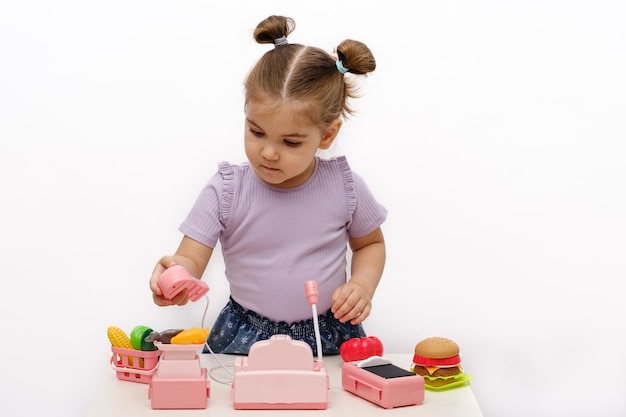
(340, 67)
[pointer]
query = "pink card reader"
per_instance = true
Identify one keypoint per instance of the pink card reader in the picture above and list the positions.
(377, 380)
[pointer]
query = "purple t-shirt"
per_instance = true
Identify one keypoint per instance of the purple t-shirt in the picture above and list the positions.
(274, 240)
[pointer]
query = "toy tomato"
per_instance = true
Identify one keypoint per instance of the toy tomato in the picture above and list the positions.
(357, 349)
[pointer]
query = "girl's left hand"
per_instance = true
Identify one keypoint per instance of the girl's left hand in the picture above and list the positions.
(351, 303)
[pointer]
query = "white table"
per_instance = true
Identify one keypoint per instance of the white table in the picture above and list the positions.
(116, 398)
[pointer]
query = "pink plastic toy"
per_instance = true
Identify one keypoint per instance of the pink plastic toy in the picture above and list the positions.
(359, 348)
(134, 365)
(280, 373)
(176, 278)
(179, 382)
(377, 380)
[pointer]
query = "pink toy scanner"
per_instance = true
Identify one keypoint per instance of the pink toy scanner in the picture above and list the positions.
(377, 380)
(176, 278)
(180, 382)
(280, 373)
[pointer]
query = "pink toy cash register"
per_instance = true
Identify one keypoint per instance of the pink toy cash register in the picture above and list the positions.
(280, 373)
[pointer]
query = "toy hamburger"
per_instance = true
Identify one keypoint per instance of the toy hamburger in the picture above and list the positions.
(438, 360)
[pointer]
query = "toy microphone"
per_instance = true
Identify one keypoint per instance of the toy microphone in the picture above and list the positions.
(310, 289)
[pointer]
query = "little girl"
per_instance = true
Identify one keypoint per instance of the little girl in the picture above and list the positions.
(287, 216)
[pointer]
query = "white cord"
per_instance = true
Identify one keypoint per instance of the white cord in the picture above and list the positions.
(206, 308)
(221, 365)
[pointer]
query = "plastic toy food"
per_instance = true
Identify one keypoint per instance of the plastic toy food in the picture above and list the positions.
(357, 349)
(138, 338)
(438, 360)
(118, 338)
(164, 337)
(129, 363)
(190, 336)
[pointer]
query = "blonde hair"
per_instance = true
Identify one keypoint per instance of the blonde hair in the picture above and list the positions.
(305, 73)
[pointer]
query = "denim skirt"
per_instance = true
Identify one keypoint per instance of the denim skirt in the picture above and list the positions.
(236, 330)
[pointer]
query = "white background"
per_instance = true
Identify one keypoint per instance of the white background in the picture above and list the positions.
(493, 131)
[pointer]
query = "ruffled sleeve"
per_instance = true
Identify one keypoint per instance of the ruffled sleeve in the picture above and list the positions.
(366, 213)
(348, 184)
(228, 189)
(207, 219)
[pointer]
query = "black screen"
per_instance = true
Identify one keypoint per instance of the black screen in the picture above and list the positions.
(388, 371)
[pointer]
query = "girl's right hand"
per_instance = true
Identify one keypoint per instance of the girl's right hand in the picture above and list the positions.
(157, 295)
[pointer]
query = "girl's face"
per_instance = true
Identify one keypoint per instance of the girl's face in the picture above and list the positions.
(281, 142)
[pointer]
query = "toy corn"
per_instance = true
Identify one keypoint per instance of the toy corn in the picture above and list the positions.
(118, 338)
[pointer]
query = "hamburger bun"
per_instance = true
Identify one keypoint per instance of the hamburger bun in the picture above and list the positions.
(437, 348)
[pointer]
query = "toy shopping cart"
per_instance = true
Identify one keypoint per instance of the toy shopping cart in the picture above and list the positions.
(134, 365)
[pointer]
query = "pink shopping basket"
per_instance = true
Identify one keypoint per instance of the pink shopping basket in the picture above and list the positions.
(134, 365)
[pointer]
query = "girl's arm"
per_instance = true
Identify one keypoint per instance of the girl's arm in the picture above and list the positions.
(194, 256)
(353, 300)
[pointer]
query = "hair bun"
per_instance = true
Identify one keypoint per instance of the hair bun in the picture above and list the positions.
(274, 29)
